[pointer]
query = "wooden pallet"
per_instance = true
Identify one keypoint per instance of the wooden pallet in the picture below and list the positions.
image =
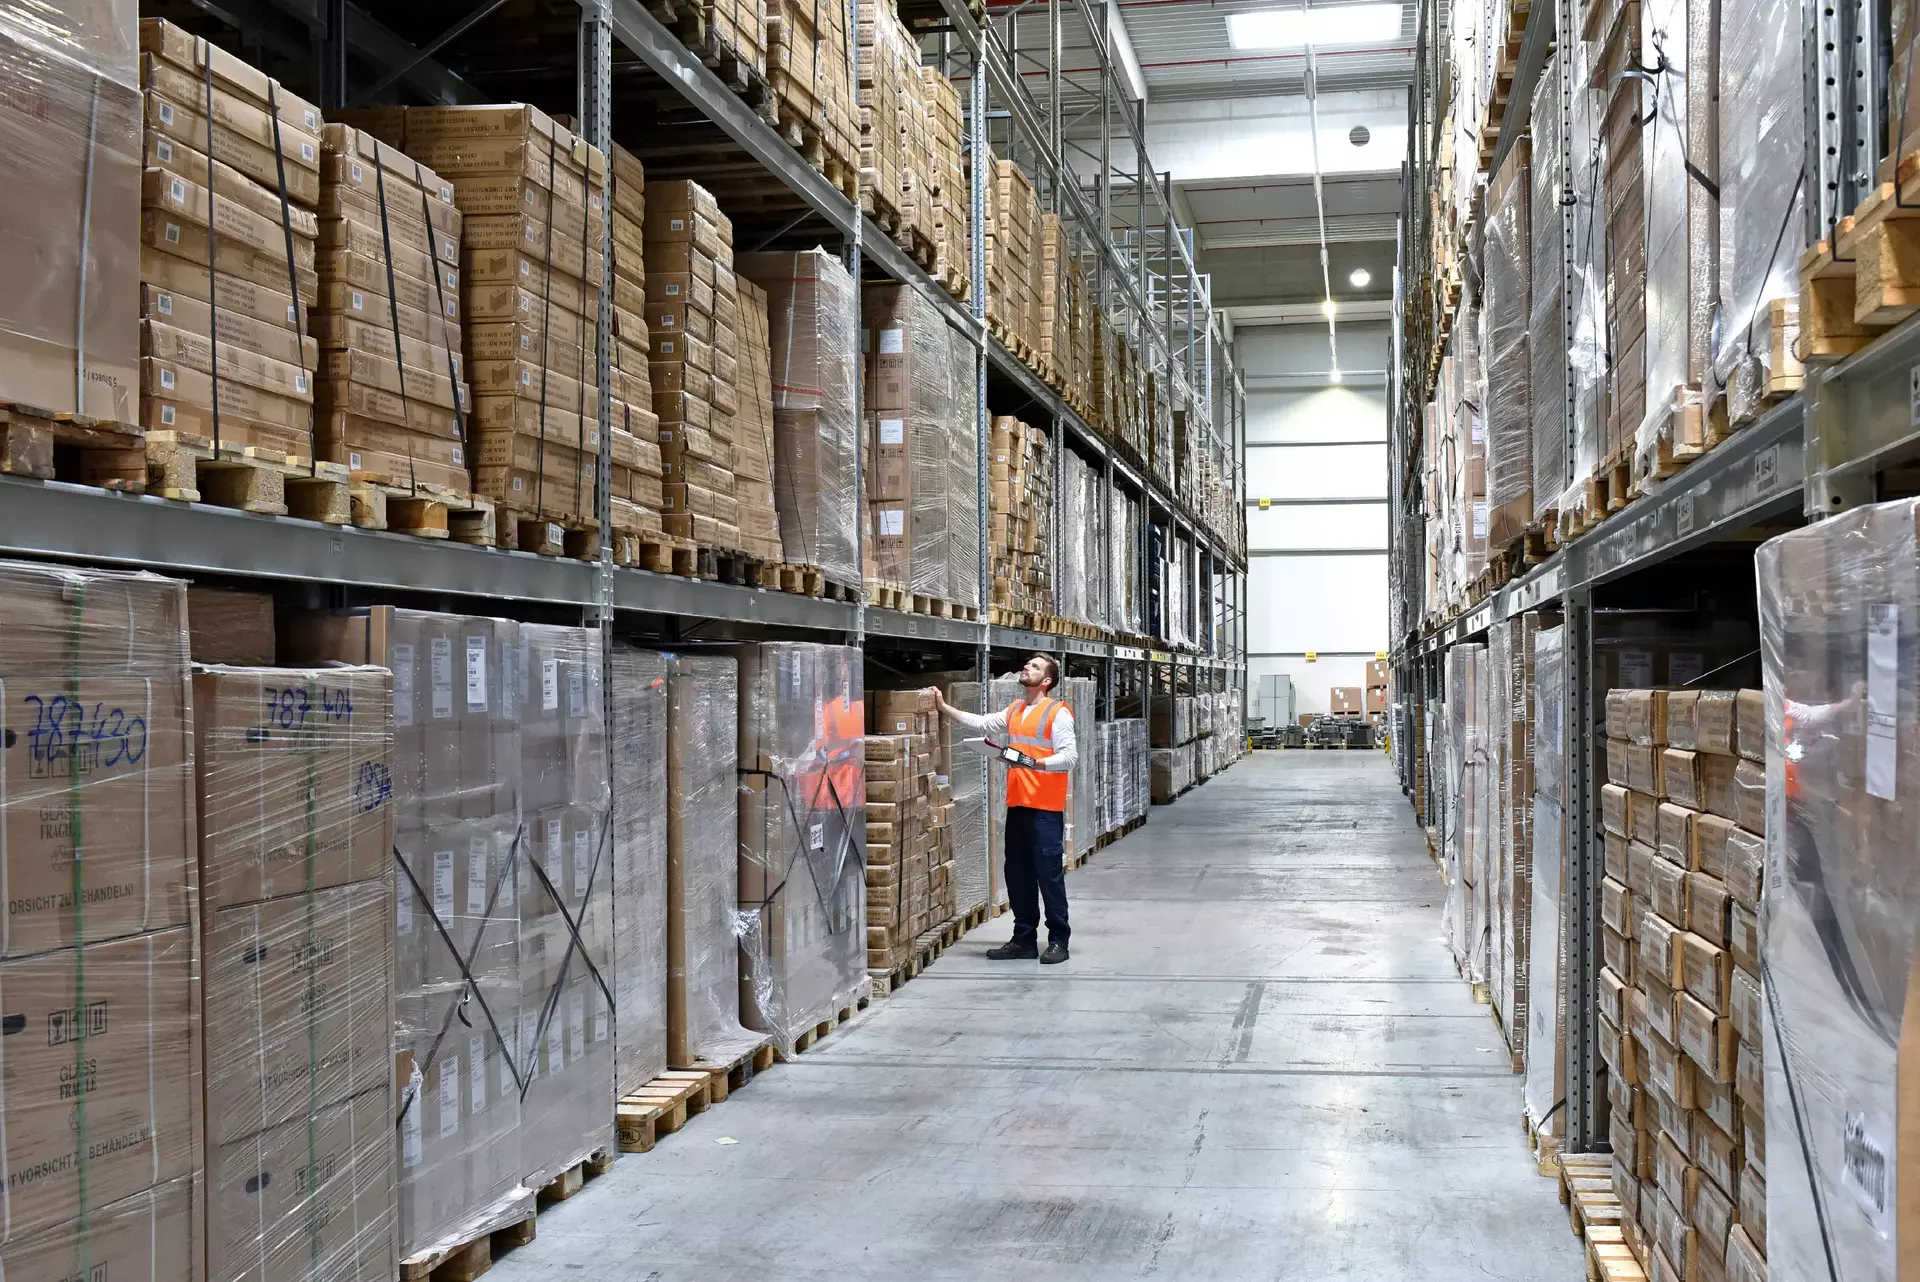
(470, 1259)
(192, 469)
(574, 1177)
(424, 511)
(52, 445)
(552, 534)
(928, 947)
(807, 1039)
(661, 1107)
(660, 553)
(888, 596)
(725, 1078)
(802, 580)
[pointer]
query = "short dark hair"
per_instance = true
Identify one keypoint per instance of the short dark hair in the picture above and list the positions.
(1053, 671)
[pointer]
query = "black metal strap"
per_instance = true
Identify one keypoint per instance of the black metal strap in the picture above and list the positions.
(575, 944)
(546, 344)
(827, 895)
(293, 276)
(393, 312)
(470, 990)
(440, 296)
(213, 250)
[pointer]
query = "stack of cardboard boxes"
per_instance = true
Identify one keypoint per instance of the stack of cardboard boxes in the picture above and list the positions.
(808, 66)
(802, 726)
(1020, 480)
(909, 822)
(639, 880)
(813, 335)
(532, 196)
(693, 313)
(393, 403)
(947, 177)
(1376, 690)
(103, 1106)
(295, 800)
(1013, 257)
(1684, 814)
(1058, 325)
(889, 93)
(637, 493)
(227, 262)
(1345, 701)
(753, 445)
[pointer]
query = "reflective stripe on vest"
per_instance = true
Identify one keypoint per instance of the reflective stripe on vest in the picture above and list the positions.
(1030, 729)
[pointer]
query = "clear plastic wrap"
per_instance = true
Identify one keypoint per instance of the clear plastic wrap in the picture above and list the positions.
(963, 475)
(96, 718)
(703, 841)
(1083, 796)
(1465, 916)
(639, 886)
(566, 1045)
(810, 308)
(1506, 314)
(1840, 631)
(802, 806)
(1586, 345)
(1002, 692)
(967, 776)
(69, 287)
(458, 847)
(1502, 810)
(295, 771)
(1762, 133)
(1546, 338)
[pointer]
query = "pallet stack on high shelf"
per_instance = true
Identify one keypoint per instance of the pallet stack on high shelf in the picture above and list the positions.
(1013, 260)
(808, 69)
(1020, 481)
(638, 470)
(947, 179)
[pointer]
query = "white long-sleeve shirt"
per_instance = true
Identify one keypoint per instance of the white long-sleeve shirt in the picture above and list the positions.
(1066, 749)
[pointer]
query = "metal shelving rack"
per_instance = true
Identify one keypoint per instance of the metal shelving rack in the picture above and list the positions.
(1823, 450)
(43, 519)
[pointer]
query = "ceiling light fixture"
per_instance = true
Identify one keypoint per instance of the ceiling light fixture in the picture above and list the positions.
(1327, 306)
(1334, 376)
(1291, 28)
(1361, 278)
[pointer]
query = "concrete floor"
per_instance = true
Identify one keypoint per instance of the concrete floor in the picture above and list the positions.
(1259, 1064)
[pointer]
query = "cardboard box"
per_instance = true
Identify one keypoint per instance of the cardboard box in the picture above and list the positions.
(153, 1234)
(72, 137)
(135, 1023)
(299, 1005)
(307, 1199)
(225, 626)
(1345, 699)
(294, 780)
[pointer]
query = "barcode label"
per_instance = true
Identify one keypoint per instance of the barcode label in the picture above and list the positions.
(549, 683)
(440, 673)
(1766, 470)
(556, 849)
(477, 1072)
(817, 837)
(476, 674)
(1883, 698)
(893, 342)
(893, 431)
(410, 1134)
(477, 876)
(443, 883)
(581, 857)
(1683, 515)
(576, 692)
(403, 911)
(449, 1095)
(577, 1022)
(359, 174)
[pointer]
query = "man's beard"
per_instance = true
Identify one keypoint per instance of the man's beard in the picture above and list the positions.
(1032, 682)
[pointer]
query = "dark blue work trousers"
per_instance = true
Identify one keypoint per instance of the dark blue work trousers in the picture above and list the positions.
(1036, 871)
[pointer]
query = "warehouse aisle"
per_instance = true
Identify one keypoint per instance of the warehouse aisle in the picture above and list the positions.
(1259, 1064)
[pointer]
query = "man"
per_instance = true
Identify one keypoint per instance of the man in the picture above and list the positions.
(1039, 731)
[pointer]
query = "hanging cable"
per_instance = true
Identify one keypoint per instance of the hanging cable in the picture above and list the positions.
(1319, 196)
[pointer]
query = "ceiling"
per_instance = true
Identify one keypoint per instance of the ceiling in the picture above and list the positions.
(1234, 129)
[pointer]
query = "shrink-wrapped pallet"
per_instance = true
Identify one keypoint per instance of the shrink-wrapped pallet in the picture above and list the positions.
(1505, 314)
(294, 771)
(802, 838)
(810, 309)
(1838, 607)
(1546, 1078)
(638, 886)
(967, 775)
(704, 925)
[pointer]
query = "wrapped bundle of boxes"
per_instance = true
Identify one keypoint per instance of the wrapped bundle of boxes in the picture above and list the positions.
(966, 773)
(753, 444)
(1058, 325)
(1173, 728)
(1020, 478)
(393, 402)
(693, 313)
(888, 93)
(909, 828)
(1376, 690)
(500, 809)
(1684, 814)
(815, 359)
(923, 511)
(100, 953)
(638, 469)
(801, 846)
(947, 178)
(228, 273)
(296, 814)
(807, 66)
(1013, 259)
(532, 196)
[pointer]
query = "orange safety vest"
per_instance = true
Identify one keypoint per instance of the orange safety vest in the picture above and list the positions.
(1030, 729)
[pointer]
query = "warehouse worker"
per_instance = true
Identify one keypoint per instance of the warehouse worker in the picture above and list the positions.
(1039, 731)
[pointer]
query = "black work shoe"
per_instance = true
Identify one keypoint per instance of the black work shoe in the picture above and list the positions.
(1015, 949)
(1055, 954)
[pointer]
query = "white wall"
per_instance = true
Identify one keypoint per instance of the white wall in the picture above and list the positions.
(1251, 136)
(1323, 585)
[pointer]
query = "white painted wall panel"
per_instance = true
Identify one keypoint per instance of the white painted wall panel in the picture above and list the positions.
(1318, 525)
(1329, 414)
(1317, 602)
(1317, 472)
